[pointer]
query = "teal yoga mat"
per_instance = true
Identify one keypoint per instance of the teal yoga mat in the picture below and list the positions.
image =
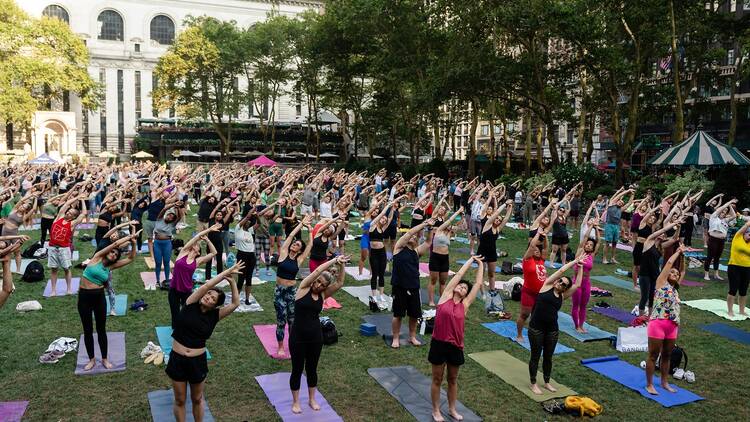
(164, 335)
(614, 281)
(507, 329)
(121, 305)
(565, 322)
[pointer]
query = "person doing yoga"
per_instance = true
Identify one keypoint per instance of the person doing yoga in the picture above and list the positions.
(718, 227)
(534, 276)
(580, 299)
(665, 320)
(447, 344)
(491, 228)
(650, 267)
(739, 269)
(192, 328)
(543, 328)
(439, 263)
(6, 250)
(91, 295)
(306, 335)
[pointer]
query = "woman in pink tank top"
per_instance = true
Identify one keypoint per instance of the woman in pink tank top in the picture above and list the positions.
(447, 346)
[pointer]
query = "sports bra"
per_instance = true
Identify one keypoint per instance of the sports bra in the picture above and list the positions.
(288, 269)
(375, 234)
(97, 274)
(441, 240)
(319, 249)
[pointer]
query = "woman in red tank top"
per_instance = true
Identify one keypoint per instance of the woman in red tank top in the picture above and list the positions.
(447, 346)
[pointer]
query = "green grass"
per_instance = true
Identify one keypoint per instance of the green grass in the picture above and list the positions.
(56, 394)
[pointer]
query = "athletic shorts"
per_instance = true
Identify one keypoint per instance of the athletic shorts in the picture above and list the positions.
(442, 352)
(305, 209)
(390, 233)
(739, 278)
(406, 302)
(276, 229)
(476, 227)
(662, 329)
(612, 233)
(148, 228)
(627, 216)
(58, 257)
(364, 242)
(527, 298)
(560, 240)
(187, 369)
(342, 234)
(439, 263)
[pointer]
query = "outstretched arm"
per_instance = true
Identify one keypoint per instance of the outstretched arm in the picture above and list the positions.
(664, 274)
(210, 284)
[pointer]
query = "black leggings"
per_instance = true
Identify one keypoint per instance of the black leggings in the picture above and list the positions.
(176, 302)
(542, 344)
(91, 301)
(215, 238)
(378, 262)
(715, 248)
(738, 280)
(246, 276)
(46, 226)
(304, 356)
(647, 286)
(134, 229)
(688, 232)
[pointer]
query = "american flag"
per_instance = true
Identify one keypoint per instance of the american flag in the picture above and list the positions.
(666, 62)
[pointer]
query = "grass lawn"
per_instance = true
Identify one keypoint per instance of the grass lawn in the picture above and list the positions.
(56, 394)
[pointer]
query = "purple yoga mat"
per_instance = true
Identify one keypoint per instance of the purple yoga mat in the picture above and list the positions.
(12, 411)
(690, 283)
(276, 387)
(61, 287)
(615, 313)
(267, 336)
(116, 352)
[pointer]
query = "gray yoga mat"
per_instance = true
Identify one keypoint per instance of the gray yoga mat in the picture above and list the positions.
(161, 406)
(362, 293)
(382, 323)
(115, 350)
(412, 389)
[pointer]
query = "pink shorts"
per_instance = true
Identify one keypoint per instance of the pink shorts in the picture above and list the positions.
(314, 263)
(662, 329)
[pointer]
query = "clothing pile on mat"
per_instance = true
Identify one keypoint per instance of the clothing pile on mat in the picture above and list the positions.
(152, 354)
(58, 349)
(139, 305)
(597, 292)
(28, 306)
(249, 305)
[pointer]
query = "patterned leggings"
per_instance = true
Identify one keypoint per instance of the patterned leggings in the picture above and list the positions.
(283, 302)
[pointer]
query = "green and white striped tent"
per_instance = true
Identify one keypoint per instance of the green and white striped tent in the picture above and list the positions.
(700, 150)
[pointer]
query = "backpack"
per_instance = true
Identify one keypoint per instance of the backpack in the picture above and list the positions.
(29, 252)
(507, 268)
(494, 302)
(34, 272)
(582, 406)
(330, 334)
(678, 353)
(515, 294)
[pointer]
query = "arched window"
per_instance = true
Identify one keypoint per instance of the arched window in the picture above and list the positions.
(55, 11)
(110, 26)
(162, 30)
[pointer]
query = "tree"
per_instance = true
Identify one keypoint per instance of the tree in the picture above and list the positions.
(40, 59)
(310, 71)
(200, 74)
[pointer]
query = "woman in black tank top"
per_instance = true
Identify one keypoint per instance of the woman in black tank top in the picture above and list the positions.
(306, 335)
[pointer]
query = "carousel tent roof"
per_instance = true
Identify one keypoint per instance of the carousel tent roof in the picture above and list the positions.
(701, 150)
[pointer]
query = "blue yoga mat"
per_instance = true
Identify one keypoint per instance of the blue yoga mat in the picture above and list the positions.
(474, 265)
(615, 313)
(565, 322)
(554, 265)
(121, 305)
(164, 335)
(614, 281)
(727, 331)
(263, 274)
(463, 240)
(507, 329)
(634, 378)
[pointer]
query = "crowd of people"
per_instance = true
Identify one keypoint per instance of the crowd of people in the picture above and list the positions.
(254, 219)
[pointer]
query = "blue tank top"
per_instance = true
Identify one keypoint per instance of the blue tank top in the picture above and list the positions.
(406, 269)
(288, 269)
(366, 230)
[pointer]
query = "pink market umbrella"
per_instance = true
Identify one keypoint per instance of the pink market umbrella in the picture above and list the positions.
(263, 161)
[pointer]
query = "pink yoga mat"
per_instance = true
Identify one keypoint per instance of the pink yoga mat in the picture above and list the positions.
(12, 411)
(149, 278)
(276, 387)
(330, 303)
(115, 352)
(424, 270)
(61, 287)
(690, 283)
(267, 336)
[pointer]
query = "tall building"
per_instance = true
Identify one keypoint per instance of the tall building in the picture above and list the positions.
(125, 39)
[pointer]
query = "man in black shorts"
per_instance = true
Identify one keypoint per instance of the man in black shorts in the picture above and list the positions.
(405, 282)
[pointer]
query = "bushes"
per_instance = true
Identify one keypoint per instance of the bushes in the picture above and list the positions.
(569, 173)
(692, 180)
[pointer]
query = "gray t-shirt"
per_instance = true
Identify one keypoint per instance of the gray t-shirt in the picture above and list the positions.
(165, 229)
(613, 214)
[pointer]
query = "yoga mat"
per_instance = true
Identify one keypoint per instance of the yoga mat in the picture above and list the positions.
(425, 299)
(267, 336)
(690, 283)
(727, 331)
(615, 313)
(330, 303)
(276, 387)
(424, 270)
(634, 378)
(121, 305)
(61, 286)
(516, 373)
(363, 294)
(474, 265)
(507, 329)
(614, 281)
(85, 226)
(161, 402)
(567, 326)
(463, 240)
(152, 265)
(716, 306)
(622, 247)
(24, 263)
(412, 390)
(149, 279)
(382, 323)
(354, 273)
(115, 352)
(555, 265)
(164, 336)
(12, 411)
(466, 251)
(254, 306)
(267, 275)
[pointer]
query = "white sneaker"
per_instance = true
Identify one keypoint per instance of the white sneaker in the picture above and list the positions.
(679, 374)
(690, 376)
(643, 364)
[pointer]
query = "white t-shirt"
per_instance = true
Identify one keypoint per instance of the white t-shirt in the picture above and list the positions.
(244, 239)
(584, 229)
(476, 210)
(458, 191)
(325, 210)
(519, 197)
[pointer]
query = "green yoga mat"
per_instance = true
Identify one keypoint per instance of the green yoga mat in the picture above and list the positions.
(516, 373)
(716, 306)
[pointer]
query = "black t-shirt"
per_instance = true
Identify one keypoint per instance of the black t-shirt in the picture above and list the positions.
(204, 210)
(406, 269)
(544, 314)
(192, 327)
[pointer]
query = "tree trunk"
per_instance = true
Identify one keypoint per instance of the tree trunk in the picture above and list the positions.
(590, 138)
(492, 131)
(634, 102)
(527, 144)
(581, 117)
(435, 121)
(473, 137)
(679, 121)
(733, 94)
(506, 146)
(393, 140)
(308, 135)
(539, 142)
(344, 117)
